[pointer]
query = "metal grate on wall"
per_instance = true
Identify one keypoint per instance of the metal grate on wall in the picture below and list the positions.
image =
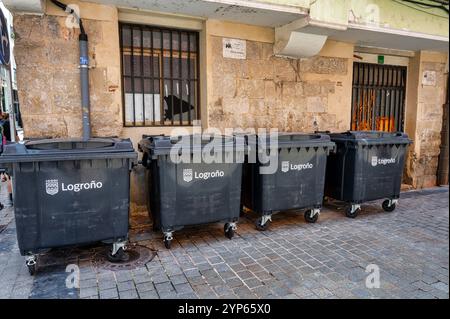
(160, 74)
(378, 97)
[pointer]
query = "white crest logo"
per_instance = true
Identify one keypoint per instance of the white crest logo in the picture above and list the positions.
(374, 161)
(285, 166)
(51, 186)
(187, 174)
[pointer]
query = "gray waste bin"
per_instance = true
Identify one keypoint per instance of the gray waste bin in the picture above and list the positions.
(188, 193)
(367, 165)
(70, 192)
(297, 183)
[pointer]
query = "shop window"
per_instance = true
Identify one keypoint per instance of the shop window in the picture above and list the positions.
(160, 70)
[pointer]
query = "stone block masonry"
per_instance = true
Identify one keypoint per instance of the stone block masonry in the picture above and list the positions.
(46, 52)
(424, 118)
(264, 91)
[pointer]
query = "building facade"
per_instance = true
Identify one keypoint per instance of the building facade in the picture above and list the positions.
(8, 85)
(298, 66)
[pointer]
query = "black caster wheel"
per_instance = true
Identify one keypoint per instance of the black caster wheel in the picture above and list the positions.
(32, 269)
(309, 218)
(229, 231)
(386, 206)
(167, 242)
(120, 256)
(260, 226)
(352, 214)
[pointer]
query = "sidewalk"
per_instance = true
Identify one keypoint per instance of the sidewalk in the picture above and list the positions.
(410, 246)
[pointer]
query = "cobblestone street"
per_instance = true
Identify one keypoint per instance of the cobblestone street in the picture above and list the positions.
(291, 259)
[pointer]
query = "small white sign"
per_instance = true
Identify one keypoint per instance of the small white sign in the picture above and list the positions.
(234, 48)
(429, 78)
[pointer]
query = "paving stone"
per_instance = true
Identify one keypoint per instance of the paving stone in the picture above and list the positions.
(142, 278)
(168, 294)
(410, 246)
(109, 294)
(123, 275)
(302, 292)
(128, 294)
(160, 278)
(253, 283)
(88, 283)
(146, 286)
(164, 287)
(126, 285)
(87, 292)
(149, 294)
(192, 273)
(178, 279)
(107, 284)
(183, 288)
(440, 286)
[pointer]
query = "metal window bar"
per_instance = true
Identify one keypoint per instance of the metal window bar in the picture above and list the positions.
(152, 72)
(197, 93)
(188, 89)
(171, 76)
(135, 52)
(378, 97)
(180, 87)
(142, 73)
(132, 77)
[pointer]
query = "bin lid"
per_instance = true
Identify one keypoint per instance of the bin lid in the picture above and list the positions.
(371, 137)
(162, 144)
(288, 140)
(67, 149)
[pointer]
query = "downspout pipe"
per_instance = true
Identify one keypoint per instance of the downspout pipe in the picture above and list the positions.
(84, 72)
(84, 80)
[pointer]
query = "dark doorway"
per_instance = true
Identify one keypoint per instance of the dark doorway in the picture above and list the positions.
(378, 97)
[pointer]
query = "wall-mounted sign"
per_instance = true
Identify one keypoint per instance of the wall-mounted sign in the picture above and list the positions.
(429, 78)
(381, 59)
(4, 38)
(234, 48)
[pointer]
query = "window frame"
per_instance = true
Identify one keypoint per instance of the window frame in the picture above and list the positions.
(161, 53)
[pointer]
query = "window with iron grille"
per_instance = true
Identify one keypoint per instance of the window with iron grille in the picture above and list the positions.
(160, 69)
(378, 98)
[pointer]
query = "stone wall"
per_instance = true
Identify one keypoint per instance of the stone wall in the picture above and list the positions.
(424, 118)
(261, 91)
(264, 91)
(47, 57)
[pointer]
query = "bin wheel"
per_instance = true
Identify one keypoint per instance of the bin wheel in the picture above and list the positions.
(167, 242)
(120, 256)
(228, 230)
(1, 206)
(352, 214)
(260, 226)
(32, 269)
(386, 206)
(309, 218)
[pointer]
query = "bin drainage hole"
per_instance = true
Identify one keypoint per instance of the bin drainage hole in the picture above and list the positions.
(138, 257)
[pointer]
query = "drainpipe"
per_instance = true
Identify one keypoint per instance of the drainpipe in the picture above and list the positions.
(84, 72)
(84, 78)
(443, 155)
